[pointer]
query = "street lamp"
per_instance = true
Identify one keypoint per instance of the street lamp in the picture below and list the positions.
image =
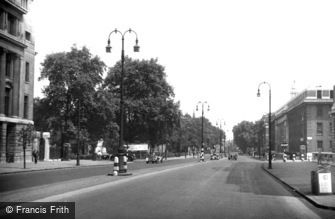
(217, 123)
(258, 95)
(108, 50)
(202, 120)
(78, 135)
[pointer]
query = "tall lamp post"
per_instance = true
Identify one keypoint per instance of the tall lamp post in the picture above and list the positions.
(259, 94)
(202, 120)
(78, 135)
(218, 123)
(121, 148)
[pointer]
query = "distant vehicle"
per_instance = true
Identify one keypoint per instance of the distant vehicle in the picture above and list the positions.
(214, 157)
(104, 154)
(233, 156)
(131, 156)
(154, 159)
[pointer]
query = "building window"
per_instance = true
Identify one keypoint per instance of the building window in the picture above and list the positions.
(7, 101)
(28, 36)
(24, 4)
(319, 111)
(320, 145)
(331, 94)
(8, 65)
(319, 94)
(12, 21)
(27, 71)
(311, 93)
(25, 107)
(319, 129)
(325, 94)
(2, 18)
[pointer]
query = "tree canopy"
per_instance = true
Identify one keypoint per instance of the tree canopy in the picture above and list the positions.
(79, 96)
(150, 111)
(74, 80)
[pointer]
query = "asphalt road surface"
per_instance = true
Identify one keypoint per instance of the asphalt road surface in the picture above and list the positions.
(214, 189)
(13, 181)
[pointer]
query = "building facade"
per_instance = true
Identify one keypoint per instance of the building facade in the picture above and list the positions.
(303, 124)
(332, 123)
(17, 56)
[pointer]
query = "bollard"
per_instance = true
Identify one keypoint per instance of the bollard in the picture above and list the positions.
(116, 166)
(202, 156)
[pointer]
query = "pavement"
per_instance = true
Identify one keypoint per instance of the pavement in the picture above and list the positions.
(297, 176)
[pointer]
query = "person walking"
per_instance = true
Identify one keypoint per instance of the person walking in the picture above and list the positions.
(35, 155)
(35, 150)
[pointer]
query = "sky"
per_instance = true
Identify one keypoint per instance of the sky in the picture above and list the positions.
(216, 51)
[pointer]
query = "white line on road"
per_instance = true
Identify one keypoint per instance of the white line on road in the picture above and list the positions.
(105, 185)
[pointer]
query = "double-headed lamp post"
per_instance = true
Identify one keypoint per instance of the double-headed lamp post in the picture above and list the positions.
(108, 50)
(259, 94)
(202, 120)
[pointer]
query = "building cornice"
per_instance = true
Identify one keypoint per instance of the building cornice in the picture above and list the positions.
(15, 120)
(16, 6)
(13, 39)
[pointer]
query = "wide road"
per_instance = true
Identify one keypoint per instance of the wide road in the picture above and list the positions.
(13, 181)
(214, 189)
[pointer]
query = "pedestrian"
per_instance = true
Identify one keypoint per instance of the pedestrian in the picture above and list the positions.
(35, 155)
(35, 150)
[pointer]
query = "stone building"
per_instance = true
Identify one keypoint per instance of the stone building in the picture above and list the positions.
(16, 77)
(332, 123)
(303, 124)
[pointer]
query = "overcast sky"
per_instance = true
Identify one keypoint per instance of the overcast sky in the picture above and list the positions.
(212, 50)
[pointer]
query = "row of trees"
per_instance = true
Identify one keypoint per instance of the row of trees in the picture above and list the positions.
(249, 136)
(80, 103)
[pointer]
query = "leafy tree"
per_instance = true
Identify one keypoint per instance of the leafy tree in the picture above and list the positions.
(42, 117)
(188, 134)
(150, 111)
(74, 77)
(244, 135)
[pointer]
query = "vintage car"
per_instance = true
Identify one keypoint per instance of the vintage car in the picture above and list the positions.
(154, 159)
(214, 156)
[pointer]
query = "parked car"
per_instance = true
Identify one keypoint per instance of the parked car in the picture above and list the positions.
(214, 157)
(154, 159)
(106, 156)
(131, 156)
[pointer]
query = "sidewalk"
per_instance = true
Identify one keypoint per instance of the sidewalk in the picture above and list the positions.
(297, 176)
(47, 165)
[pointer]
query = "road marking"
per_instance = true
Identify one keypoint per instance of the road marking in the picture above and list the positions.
(108, 184)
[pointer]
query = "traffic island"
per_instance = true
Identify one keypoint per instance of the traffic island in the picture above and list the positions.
(120, 167)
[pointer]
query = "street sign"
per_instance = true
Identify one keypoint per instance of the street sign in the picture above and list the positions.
(138, 147)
